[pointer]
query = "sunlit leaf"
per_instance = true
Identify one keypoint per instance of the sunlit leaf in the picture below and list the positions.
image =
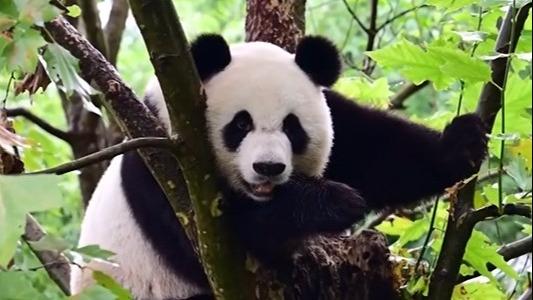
(20, 195)
(480, 252)
(113, 286)
(395, 225)
(524, 149)
(451, 4)
(95, 292)
(440, 64)
(74, 11)
(477, 291)
(375, 93)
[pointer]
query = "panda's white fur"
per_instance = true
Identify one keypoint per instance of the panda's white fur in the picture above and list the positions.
(109, 223)
(262, 79)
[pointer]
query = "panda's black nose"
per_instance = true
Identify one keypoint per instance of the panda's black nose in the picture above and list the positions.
(269, 168)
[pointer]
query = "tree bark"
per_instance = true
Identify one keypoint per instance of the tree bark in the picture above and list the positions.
(280, 22)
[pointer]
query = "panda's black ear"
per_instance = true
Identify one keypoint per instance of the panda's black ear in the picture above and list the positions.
(211, 54)
(319, 58)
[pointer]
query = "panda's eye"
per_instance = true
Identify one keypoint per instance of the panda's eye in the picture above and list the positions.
(244, 125)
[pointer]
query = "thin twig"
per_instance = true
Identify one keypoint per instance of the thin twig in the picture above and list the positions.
(403, 13)
(407, 90)
(355, 17)
(108, 153)
(430, 232)
(516, 248)
(4, 101)
(44, 125)
(55, 264)
(502, 103)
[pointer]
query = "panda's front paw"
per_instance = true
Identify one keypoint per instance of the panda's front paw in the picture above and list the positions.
(464, 145)
(346, 202)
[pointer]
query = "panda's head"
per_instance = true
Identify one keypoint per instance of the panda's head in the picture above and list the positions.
(266, 113)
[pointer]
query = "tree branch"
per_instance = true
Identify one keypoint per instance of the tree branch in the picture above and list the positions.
(115, 27)
(131, 115)
(355, 17)
(56, 264)
(403, 13)
(222, 259)
(372, 28)
(109, 153)
(493, 211)
(516, 248)
(459, 227)
(406, 91)
(92, 25)
(44, 125)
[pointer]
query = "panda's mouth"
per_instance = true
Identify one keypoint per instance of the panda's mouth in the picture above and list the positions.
(261, 190)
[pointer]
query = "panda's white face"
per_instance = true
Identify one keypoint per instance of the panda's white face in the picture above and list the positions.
(266, 120)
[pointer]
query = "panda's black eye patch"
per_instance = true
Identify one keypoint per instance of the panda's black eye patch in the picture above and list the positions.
(236, 130)
(296, 134)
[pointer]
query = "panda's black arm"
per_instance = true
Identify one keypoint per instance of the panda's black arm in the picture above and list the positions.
(303, 206)
(393, 162)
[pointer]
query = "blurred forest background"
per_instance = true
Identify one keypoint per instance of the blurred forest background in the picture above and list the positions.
(428, 61)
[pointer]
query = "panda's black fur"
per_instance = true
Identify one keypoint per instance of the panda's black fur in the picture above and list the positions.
(378, 160)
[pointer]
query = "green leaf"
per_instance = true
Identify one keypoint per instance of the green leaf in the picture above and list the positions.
(109, 283)
(442, 65)
(21, 52)
(62, 69)
(477, 290)
(93, 251)
(36, 11)
(376, 93)
(480, 251)
(50, 243)
(414, 232)
(17, 286)
(451, 5)
(490, 193)
(394, 226)
(74, 11)
(517, 170)
(20, 195)
(95, 292)
(461, 65)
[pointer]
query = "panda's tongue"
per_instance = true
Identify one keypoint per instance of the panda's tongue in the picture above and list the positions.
(264, 188)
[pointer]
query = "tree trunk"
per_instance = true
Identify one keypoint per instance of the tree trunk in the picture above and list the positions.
(332, 267)
(280, 22)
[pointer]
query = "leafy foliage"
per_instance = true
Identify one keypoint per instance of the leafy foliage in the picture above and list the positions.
(19, 196)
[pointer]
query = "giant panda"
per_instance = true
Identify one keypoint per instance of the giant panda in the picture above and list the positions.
(295, 157)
